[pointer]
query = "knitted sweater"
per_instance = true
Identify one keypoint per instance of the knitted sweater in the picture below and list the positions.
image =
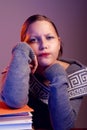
(55, 106)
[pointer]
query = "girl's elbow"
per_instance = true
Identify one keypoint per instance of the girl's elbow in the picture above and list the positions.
(15, 103)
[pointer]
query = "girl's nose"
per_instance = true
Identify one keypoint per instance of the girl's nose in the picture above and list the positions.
(43, 45)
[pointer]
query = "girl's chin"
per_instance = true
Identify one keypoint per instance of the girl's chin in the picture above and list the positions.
(44, 65)
(45, 62)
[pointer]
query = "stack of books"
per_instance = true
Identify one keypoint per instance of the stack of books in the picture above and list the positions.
(15, 119)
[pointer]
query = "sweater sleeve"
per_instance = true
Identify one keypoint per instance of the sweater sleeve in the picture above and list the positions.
(16, 83)
(61, 113)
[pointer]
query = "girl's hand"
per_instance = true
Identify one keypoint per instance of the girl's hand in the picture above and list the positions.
(33, 65)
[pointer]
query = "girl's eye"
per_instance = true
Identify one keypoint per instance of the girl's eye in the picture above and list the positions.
(49, 37)
(32, 40)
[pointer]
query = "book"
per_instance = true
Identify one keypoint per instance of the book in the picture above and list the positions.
(16, 127)
(4, 109)
(18, 119)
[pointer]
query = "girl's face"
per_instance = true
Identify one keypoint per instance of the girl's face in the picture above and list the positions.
(44, 41)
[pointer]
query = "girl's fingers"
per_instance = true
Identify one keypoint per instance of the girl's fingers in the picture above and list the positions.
(33, 65)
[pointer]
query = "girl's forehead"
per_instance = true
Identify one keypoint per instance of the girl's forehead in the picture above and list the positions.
(41, 26)
(41, 23)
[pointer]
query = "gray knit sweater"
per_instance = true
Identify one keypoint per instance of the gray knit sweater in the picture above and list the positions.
(55, 106)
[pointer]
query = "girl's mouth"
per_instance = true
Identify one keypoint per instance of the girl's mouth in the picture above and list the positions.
(44, 54)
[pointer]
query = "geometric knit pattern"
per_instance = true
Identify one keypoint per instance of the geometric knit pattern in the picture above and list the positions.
(77, 83)
(77, 86)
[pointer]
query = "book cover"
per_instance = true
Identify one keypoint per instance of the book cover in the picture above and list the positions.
(4, 109)
(18, 119)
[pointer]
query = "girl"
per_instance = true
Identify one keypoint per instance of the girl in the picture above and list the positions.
(37, 76)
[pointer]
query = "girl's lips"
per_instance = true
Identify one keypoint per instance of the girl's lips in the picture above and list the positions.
(44, 54)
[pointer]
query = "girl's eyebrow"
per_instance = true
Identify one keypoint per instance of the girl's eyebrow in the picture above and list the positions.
(38, 36)
(32, 36)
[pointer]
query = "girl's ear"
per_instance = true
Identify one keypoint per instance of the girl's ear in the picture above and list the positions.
(61, 47)
(59, 39)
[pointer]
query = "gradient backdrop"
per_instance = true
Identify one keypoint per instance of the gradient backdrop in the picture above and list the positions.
(70, 17)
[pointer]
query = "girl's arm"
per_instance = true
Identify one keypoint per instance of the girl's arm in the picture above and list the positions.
(61, 112)
(16, 83)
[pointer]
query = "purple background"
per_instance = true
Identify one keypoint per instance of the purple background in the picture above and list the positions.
(70, 17)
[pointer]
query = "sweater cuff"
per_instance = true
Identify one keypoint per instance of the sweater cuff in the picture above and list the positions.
(23, 46)
(55, 70)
